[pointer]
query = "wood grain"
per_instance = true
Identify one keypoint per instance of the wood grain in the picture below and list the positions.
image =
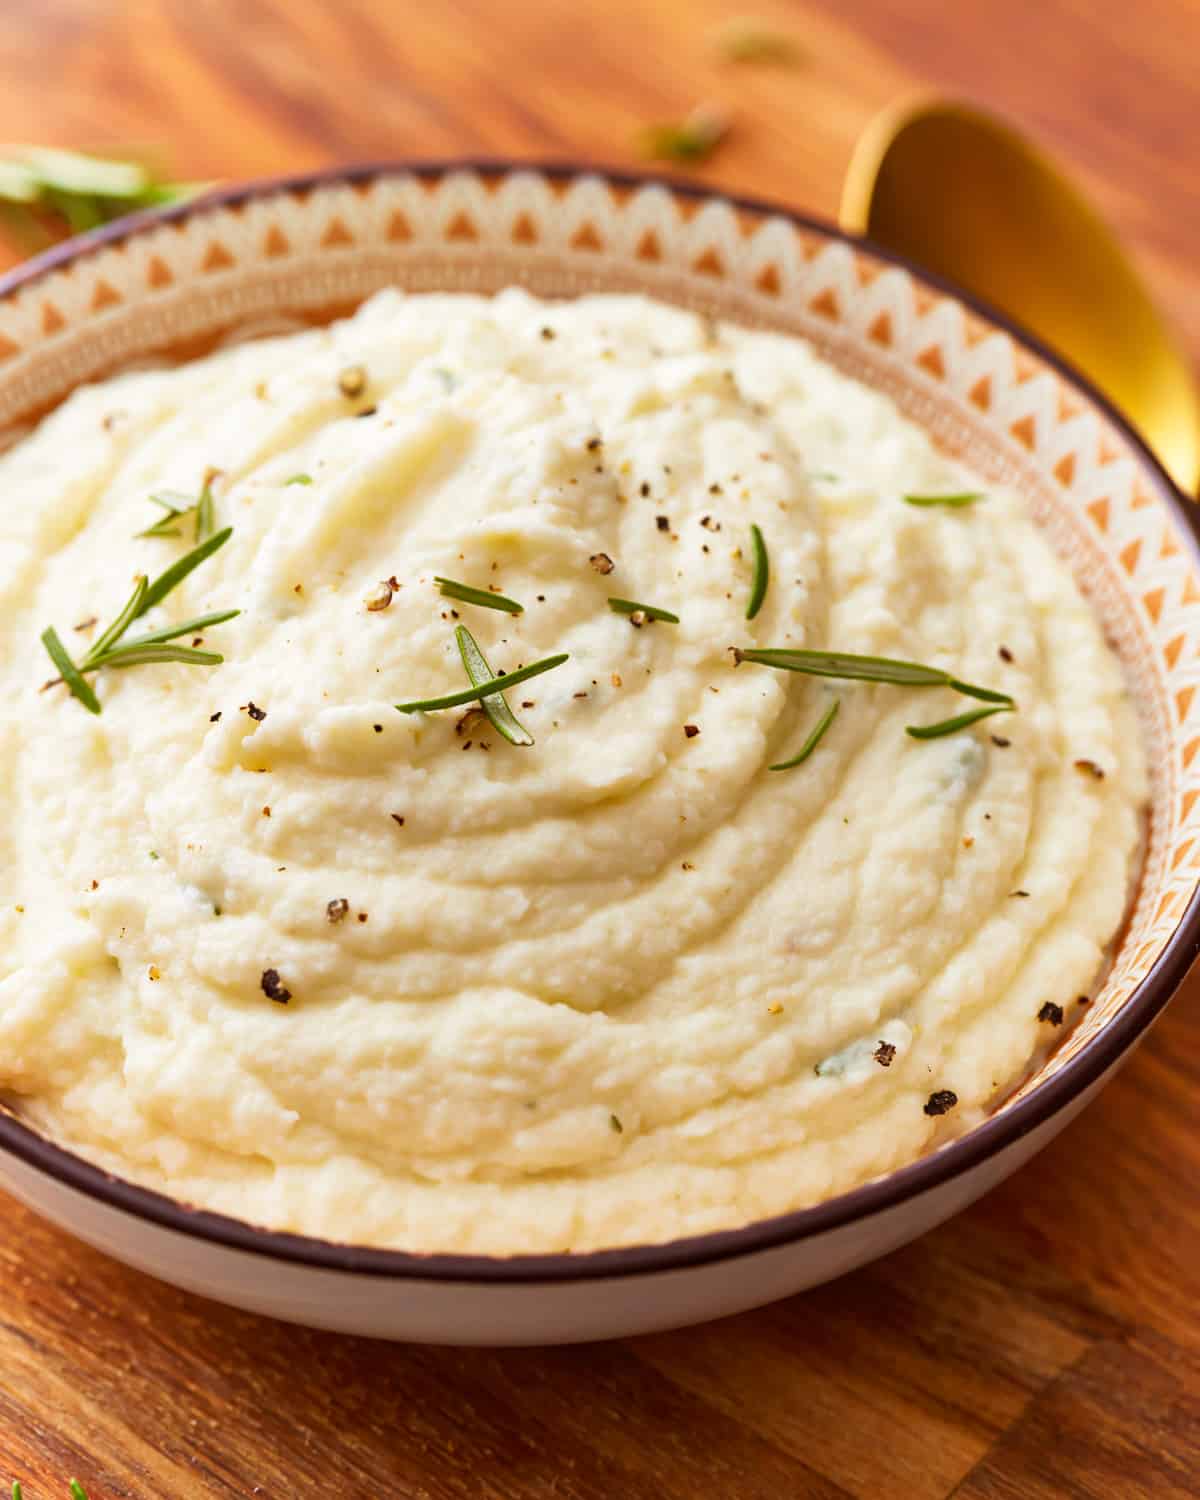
(1043, 1346)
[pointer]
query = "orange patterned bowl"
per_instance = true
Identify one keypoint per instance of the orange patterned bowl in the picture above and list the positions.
(277, 255)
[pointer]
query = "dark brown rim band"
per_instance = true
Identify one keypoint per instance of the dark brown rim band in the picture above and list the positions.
(898, 1187)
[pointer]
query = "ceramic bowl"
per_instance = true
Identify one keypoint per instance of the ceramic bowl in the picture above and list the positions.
(274, 256)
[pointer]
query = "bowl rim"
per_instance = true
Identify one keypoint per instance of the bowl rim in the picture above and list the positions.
(888, 1192)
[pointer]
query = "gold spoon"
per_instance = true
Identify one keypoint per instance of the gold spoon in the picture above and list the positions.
(965, 196)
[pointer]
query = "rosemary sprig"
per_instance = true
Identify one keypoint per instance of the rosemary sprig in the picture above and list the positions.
(762, 573)
(952, 726)
(953, 502)
(482, 597)
(200, 508)
(649, 611)
(112, 650)
(814, 739)
(867, 669)
(501, 717)
(481, 690)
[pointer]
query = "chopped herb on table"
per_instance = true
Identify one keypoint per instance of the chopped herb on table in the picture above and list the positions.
(692, 139)
(742, 39)
(47, 193)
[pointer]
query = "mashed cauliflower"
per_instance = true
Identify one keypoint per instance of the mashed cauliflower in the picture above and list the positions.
(272, 947)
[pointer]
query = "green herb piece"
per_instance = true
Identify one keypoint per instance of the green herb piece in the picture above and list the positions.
(692, 139)
(131, 610)
(201, 508)
(299, 479)
(952, 726)
(648, 611)
(134, 655)
(178, 571)
(483, 690)
(185, 627)
(17, 1492)
(742, 39)
(502, 718)
(814, 739)
(77, 1491)
(866, 669)
(205, 513)
(953, 502)
(166, 525)
(44, 191)
(110, 650)
(482, 597)
(70, 673)
(762, 573)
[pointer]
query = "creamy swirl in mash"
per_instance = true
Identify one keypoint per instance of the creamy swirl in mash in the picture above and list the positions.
(283, 952)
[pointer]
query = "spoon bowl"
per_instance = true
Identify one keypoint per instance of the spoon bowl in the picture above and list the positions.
(966, 196)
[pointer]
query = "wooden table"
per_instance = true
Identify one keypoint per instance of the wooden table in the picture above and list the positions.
(1044, 1344)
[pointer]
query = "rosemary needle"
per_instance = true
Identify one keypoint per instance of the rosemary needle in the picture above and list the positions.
(178, 571)
(299, 479)
(817, 735)
(867, 669)
(650, 611)
(762, 573)
(954, 502)
(952, 726)
(483, 597)
(502, 718)
(482, 690)
(206, 520)
(166, 525)
(70, 673)
(201, 509)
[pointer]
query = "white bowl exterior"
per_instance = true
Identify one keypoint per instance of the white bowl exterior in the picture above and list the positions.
(505, 1314)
